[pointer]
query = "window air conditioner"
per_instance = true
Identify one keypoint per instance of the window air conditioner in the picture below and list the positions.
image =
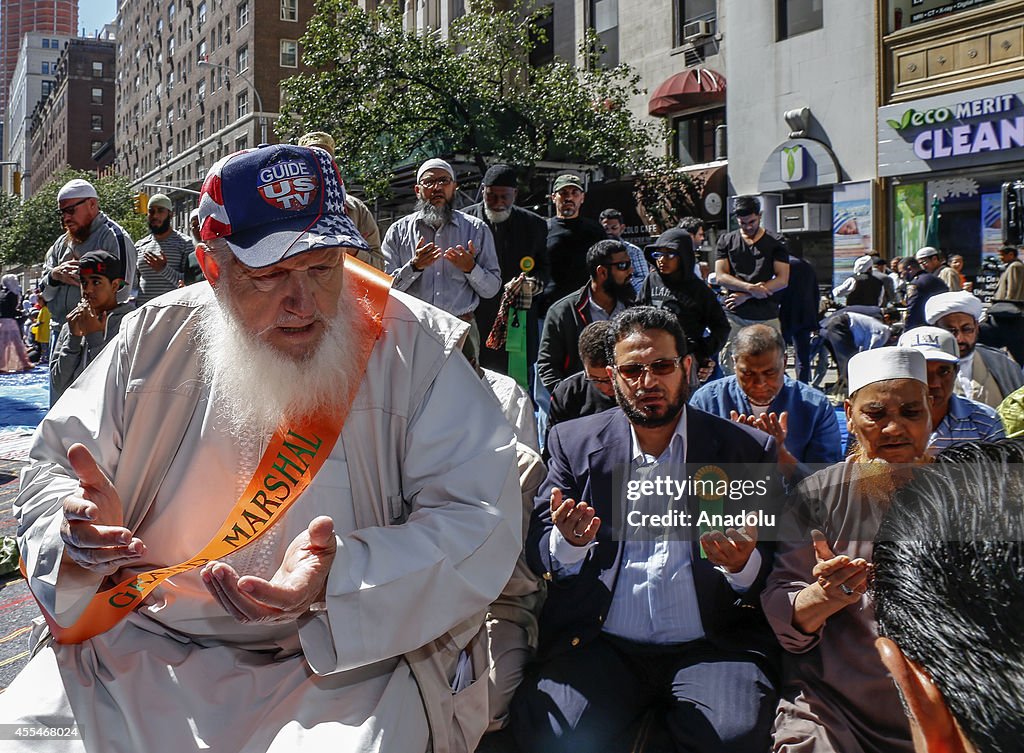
(803, 218)
(696, 30)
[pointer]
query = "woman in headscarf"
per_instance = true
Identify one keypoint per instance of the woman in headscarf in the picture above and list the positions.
(13, 356)
(837, 697)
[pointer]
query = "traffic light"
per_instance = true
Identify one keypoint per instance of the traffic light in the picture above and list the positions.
(141, 202)
(16, 183)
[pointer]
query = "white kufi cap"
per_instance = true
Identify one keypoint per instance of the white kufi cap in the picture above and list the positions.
(434, 164)
(960, 302)
(882, 364)
(77, 189)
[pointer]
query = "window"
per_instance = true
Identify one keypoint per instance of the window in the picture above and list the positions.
(94, 146)
(242, 60)
(97, 95)
(159, 26)
(170, 13)
(604, 15)
(46, 43)
(241, 143)
(201, 129)
(542, 32)
(289, 53)
(289, 10)
(201, 90)
(201, 14)
(46, 67)
(798, 17)
(47, 87)
(243, 14)
(170, 47)
(694, 141)
(690, 11)
(97, 122)
(242, 108)
(201, 50)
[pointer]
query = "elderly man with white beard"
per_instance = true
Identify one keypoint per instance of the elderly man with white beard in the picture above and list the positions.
(337, 604)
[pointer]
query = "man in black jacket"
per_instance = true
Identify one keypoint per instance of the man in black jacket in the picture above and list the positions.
(608, 292)
(672, 285)
(590, 391)
(520, 240)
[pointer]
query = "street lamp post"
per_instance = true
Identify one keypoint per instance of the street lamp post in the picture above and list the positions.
(259, 100)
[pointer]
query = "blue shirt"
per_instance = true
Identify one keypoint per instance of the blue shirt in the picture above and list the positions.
(442, 283)
(640, 268)
(965, 420)
(655, 600)
(813, 433)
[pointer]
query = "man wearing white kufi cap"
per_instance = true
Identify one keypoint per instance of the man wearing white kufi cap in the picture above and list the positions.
(833, 682)
(986, 374)
(441, 255)
(86, 229)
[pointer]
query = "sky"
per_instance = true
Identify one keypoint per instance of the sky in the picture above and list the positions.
(93, 14)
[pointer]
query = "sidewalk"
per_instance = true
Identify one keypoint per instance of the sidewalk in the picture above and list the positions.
(24, 400)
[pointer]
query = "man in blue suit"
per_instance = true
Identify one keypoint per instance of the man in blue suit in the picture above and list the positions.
(635, 623)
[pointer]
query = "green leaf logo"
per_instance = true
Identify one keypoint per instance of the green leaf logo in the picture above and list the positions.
(906, 118)
(894, 124)
(790, 163)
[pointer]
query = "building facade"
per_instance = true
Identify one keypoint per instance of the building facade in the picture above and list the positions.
(77, 119)
(200, 79)
(18, 18)
(33, 80)
(950, 124)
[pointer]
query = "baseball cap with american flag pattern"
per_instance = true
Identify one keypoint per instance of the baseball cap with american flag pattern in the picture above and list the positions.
(274, 202)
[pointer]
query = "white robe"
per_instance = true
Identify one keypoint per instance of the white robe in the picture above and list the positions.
(414, 491)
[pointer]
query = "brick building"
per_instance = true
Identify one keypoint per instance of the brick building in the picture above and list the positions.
(200, 79)
(77, 119)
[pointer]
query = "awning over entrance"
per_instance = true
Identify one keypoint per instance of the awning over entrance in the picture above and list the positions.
(690, 88)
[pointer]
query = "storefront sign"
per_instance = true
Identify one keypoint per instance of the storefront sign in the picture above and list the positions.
(792, 163)
(851, 227)
(951, 131)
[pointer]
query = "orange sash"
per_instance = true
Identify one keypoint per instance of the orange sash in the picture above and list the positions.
(295, 454)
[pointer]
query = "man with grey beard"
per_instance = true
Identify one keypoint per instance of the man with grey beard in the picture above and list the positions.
(275, 471)
(520, 240)
(441, 255)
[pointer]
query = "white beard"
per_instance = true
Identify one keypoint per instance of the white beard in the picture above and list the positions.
(255, 387)
(496, 218)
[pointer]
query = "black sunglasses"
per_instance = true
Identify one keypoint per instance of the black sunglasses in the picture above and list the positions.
(622, 266)
(70, 208)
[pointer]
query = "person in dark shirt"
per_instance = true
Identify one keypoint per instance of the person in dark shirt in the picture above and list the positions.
(520, 239)
(754, 265)
(589, 391)
(672, 285)
(921, 286)
(570, 236)
(798, 311)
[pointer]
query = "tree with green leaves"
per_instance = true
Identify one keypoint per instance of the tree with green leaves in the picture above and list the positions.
(27, 230)
(392, 97)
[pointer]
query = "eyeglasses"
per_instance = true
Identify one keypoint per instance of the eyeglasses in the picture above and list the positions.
(622, 266)
(70, 208)
(662, 367)
(663, 255)
(436, 182)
